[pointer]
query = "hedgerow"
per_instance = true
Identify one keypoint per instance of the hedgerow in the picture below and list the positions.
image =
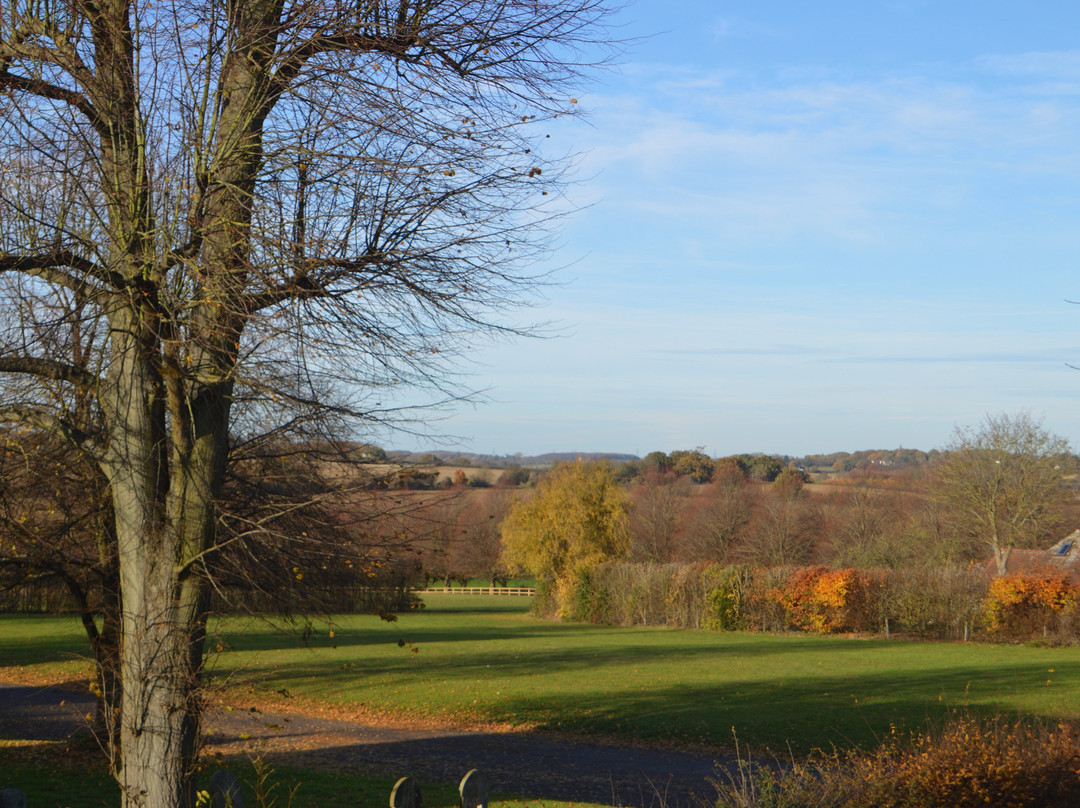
(946, 603)
(1024, 605)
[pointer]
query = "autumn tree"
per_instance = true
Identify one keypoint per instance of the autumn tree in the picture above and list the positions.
(790, 481)
(1004, 479)
(481, 551)
(865, 526)
(276, 209)
(657, 503)
(439, 519)
(785, 528)
(694, 464)
(722, 514)
(576, 519)
(765, 468)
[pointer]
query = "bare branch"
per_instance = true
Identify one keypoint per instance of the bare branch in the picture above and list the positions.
(50, 266)
(43, 89)
(49, 369)
(48, 422)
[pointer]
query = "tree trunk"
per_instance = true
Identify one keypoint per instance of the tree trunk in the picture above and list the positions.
(160, 667)
(106, 646)
(1001, 558)
(165, 520)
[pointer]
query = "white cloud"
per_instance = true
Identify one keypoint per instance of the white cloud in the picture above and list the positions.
(861, 162)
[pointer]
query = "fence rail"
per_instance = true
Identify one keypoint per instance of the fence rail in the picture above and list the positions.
(479, 590)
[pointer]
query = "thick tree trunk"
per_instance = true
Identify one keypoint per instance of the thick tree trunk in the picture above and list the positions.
(161, 664)
(106, 647)
(164, 518)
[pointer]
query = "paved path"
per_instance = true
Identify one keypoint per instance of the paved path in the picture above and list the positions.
(531, 764)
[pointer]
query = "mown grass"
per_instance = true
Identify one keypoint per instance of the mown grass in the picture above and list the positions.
(477, 658)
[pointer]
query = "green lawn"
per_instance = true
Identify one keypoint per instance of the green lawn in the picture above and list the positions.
(486, 658)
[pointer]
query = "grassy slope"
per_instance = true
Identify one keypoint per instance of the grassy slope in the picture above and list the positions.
(481, 658)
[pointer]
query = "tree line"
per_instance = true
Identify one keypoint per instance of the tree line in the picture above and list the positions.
(1004, 484)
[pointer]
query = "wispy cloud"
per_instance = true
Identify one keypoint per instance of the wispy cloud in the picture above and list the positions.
(964, 359)
(729, 27)
(863, 162)
(1056, 65)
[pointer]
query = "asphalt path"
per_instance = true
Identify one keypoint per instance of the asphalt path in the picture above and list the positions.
(520, 763)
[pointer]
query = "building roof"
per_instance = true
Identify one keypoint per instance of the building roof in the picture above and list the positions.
(1062, 557)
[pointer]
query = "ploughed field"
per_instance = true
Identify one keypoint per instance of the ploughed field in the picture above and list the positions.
(486, 659)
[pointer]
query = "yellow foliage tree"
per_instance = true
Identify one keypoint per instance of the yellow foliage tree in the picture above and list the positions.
(578, 518)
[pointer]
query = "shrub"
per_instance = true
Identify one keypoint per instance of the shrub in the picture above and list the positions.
(939, 603)
(827, 601)
(1023, 605)
(978, 763)
(623, 593)
(934, 603)
(590, 597)
(970, 762)
(684, 601)
(729, 593)
(544, 602)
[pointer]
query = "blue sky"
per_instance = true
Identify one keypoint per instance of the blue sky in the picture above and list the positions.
(808, 226)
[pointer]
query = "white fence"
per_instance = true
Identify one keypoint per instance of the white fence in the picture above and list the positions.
(479, 590)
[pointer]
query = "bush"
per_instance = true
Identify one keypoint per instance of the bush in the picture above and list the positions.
(970, 762)
(544, 603)
(978, 763)
(626, 594)
(729, 594)
(1025, 605)
(590, 597)
(827, 601)
(942, 603)
(939, 603)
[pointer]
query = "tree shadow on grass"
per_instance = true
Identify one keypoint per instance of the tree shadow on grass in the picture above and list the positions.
(777, 710)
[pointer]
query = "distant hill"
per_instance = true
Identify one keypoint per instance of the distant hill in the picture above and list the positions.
(502, 461)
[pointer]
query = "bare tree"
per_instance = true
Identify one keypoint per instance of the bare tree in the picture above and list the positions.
(657, 501)
(56, 520)
(57, 538)
(265, 202)
(782, 534)
(723, 515)
(482, 545)
(865, 523)
(1005, 480)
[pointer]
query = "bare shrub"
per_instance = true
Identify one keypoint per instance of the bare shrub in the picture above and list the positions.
(940, 603)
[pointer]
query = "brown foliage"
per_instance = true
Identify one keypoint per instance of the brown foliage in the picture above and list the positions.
(969, 763)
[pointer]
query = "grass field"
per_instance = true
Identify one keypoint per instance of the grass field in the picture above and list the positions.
(486, 659)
